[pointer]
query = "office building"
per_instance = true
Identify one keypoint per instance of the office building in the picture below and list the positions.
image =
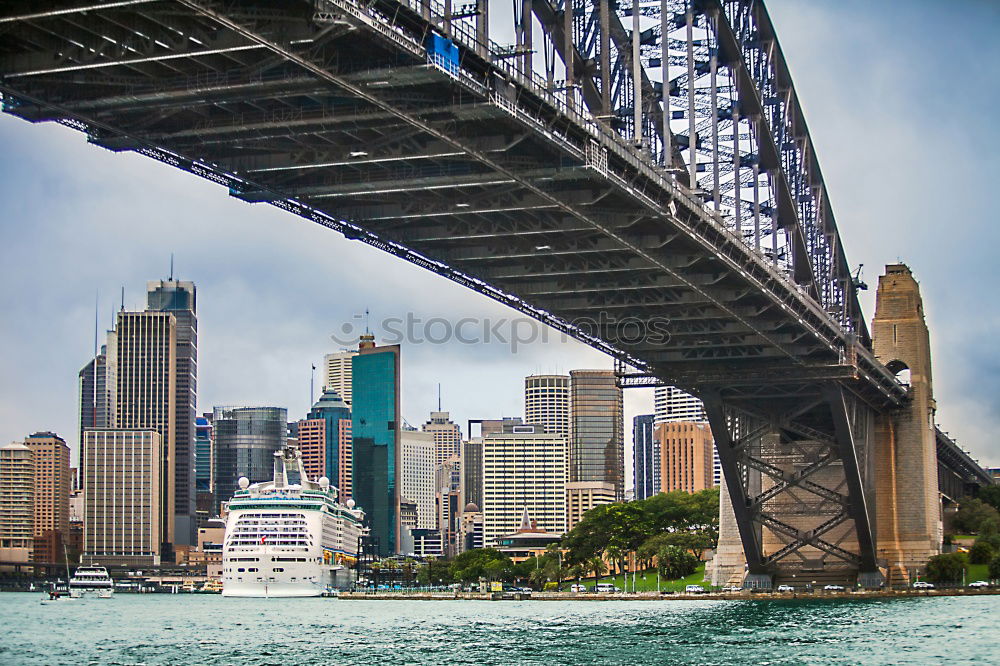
(312, 445)
(472, 471)
(376, 426)
(524, 469)
(17, 503)
(96, 403)
(447, 436)
(489, 427)
(334, 460)
(448, 496)
(50, 458)
(179, 298)
(142, 350)
(245, 441)
(686, 456)
(582, 496)
(670, 404)
(203, 453)
(597, 439)
(471, 528)
(337, 374)
(646, 457)
(546, 403)
(120, 464)
(416, 459)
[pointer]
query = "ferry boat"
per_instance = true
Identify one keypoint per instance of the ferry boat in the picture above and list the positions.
(289, 539)
(91, 580)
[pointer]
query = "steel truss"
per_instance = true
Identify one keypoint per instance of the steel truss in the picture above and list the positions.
(797, 467)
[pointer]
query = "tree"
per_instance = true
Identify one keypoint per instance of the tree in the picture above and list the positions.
(982, 552)
(994, 569)
(435, 572)
(596, 564)
(975, 516)
(675, 562)
(946, 568)
(478, 563)
(990, 495)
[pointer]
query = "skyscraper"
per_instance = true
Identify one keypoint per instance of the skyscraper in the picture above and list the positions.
(17, 497)
(447, 436)
(416, 483)
(203, 465)
(246, 439)
(582, 496)
(142, 351)
(472, 471)
(685, 456)
(122, 465)
(376, 431)
(96, 406)
(546, 402)
(597, 442)
(646, 457)
(179, 298)
(336, 417)
(524, 469)
(670, 404)
(50, 457)
(337, 374)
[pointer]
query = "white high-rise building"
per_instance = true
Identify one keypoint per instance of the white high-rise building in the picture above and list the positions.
(447, 436)
(417, 475)
(672, 405)
(546, 403)
(523, 470)
(337, 373)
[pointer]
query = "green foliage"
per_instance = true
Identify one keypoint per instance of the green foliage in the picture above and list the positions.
(982, 552)
(994, 569)
(976, 516)
(615, 530)
(488, 563)
(435, 572)
(946, 568)
(675, 562)
(990, 495)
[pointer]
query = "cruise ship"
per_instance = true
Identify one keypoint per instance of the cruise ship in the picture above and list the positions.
(289, 539)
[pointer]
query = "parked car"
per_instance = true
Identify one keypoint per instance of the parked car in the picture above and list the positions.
(607, 588)
(694, 589)
(923, 585)
(577, 587)
(732, 588)
(785, 588)
(833, 588)
(979, 583)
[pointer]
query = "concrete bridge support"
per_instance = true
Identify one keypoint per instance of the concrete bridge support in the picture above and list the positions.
(908, 509)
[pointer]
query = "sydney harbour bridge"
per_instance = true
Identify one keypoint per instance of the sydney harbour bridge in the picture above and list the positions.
(590, 163)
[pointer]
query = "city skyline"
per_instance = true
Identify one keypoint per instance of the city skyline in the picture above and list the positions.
(880, 217)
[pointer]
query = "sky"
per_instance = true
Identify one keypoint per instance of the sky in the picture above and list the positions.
(900, 98)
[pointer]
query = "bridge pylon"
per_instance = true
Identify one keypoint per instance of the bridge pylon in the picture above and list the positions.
(908, 507)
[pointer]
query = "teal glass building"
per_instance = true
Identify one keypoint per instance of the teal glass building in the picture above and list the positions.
(375, 440)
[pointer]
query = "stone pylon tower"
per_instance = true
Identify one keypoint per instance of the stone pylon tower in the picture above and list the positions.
(908, 516)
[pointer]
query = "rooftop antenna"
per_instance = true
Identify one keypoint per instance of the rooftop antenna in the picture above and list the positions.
(367, 332)
(171, 267)
(312, 378)
(439, 396)
(123, 298)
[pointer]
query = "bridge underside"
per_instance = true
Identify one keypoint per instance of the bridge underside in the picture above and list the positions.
(480, 173)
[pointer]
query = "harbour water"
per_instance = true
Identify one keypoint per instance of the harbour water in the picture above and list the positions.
(208, 629)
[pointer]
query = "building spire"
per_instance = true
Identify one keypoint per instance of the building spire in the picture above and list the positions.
(171, 267)
(123, 298)
(439, 396)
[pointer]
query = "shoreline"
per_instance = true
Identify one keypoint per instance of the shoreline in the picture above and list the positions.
(725, 596)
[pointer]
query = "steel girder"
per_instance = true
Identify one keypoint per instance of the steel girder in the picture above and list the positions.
(798, 469)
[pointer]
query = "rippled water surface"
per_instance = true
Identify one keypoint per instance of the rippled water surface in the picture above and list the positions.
(200, 629)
